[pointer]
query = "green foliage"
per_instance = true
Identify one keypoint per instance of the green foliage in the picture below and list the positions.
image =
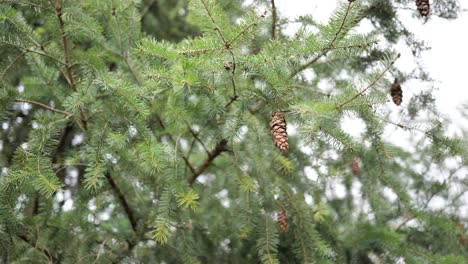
(138, 131)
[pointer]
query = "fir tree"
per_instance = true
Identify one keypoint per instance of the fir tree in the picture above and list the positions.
(139, 132)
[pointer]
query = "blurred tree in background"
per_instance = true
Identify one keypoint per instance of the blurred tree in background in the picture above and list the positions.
(141, 132)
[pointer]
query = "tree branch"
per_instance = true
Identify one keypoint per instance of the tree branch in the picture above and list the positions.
(123, 202)
(370, 85)
(330, 46)
(67, 114)
(220, 148)
(273, 18)
(50, 256)
(66, 50)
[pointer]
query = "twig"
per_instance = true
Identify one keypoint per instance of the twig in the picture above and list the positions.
(226, 43)
(187, 162)
(68, 65)
(229, 44)
(273, 18)
(11, 64)
(67, 114)
(33, 51)
(147, 8)
(195, 135)
(28, 4)
(58, 12)
(370, 85)
(135, 76)
(52, 258)
(306, 65)
(220, 148)
(123, 202)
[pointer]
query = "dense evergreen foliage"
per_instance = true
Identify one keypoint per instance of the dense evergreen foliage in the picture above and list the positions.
(139, 132)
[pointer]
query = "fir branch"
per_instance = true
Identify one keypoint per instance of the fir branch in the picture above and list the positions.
(28, 4)
(58, 13)
(226, 44)
(200, 51)
(273, 19)
(330, 45)
(147, 8)
(11, 64)
(220, 148)
(229, 45)
(67, 114)
(52, 258)
(370, 85)
(186, 160)
(66, 50)
(195, 135)
(26, 50)
(123, 201)
(267, 247)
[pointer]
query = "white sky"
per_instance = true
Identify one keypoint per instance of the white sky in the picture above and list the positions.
(447, 61)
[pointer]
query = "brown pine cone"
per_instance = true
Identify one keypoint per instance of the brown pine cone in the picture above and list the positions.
(278, 130)
(423, 7)
(355, 167)
(282, 220)
(396, 92)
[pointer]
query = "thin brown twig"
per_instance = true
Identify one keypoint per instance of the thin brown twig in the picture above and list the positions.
(229, 44)
(50, 256)
(28, 4)
(195, 135)
(66, 50)
(220, 148)
(123, 202)
(370, 85)
(273, 18)
(11, 64)
(332, 42)
(67, 114)
(25, 50)
(226, 43)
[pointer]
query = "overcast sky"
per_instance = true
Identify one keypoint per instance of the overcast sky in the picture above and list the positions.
(446, 61)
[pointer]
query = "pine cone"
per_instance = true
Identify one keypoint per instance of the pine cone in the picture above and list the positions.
(355, 167)
(282, 220)
(396, 92)
(423, 7)
(278, 130)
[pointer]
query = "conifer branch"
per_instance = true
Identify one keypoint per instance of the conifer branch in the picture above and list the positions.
(229, 45)
(330, 45)
(11, 64)
(197, 138)
(200, 51)
(220, 148)
(123, 201)
(273, 18)
(50, 256)
(370, 85)
(28, 4)
(67, 114)
(226, 44)
(66, 50)
(58, 13)
(267, 247)
(26, 50)
(186, 160)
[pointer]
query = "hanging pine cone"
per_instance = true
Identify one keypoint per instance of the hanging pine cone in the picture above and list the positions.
(355, 167)
(396, 92)
(283, 220)
(423, 7)
(278, 130)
